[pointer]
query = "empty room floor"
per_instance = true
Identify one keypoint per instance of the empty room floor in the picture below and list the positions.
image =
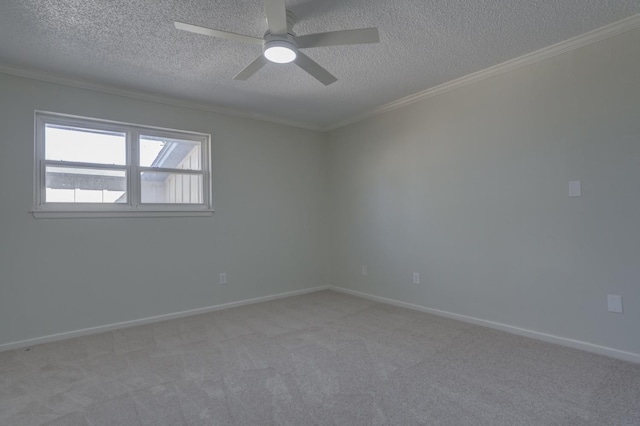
(323, 358)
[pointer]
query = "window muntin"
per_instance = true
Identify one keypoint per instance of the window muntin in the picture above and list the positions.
(88, 165)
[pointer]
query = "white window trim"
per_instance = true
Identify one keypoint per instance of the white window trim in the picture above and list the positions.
(133, 207)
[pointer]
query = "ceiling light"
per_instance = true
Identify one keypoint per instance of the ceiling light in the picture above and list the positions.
(280, 54)
(280, 50)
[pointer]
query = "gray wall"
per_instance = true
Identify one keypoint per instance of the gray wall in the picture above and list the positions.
(470, 189)
(268, 232)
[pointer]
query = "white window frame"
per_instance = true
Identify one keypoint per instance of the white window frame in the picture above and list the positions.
(133, 207)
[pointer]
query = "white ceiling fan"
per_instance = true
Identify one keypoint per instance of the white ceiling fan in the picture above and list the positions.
(281, 45)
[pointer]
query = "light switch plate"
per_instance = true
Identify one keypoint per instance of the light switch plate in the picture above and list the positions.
(575, 188)
(615, 303)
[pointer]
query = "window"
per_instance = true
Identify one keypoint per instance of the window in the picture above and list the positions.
(87, 167)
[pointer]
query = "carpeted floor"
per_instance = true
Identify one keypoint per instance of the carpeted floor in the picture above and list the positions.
(319, 359)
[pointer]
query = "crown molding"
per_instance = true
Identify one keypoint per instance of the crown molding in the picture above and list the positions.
(611, 30)
(50, 77)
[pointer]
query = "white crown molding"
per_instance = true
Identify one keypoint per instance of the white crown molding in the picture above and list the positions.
(572, 343)
(150, 320)
(611, 30)
(145, 96)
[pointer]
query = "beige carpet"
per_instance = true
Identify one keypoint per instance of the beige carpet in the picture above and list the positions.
(318, 359)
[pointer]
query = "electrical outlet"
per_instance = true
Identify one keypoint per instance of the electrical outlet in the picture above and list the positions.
(223, 278)
(364, 271)
(416, 278)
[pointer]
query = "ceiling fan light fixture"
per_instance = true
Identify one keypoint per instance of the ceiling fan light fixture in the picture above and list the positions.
(280, 54)
(280, 50)
(280, 44)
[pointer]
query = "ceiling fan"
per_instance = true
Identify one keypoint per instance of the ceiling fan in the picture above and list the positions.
(281, 45)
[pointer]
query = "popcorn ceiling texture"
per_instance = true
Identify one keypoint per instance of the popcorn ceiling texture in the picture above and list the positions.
(133, 44)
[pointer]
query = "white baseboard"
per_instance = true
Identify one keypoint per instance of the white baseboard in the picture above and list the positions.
(149, 320)
(577, 344)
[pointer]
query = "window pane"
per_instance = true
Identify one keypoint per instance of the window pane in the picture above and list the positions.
(170, 153)
(65, 143)
(171, 188)
(84, 185)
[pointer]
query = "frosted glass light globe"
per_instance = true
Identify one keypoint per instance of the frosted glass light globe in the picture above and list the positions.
(280, 54)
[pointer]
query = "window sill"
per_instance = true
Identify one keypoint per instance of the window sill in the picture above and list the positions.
(58, 214)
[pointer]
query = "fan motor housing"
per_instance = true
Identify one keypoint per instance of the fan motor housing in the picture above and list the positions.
(280, 40)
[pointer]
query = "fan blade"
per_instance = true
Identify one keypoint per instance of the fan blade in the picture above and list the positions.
(312, 67)
(217, 33)
(338, 38)
(252, 68)
(276, 16)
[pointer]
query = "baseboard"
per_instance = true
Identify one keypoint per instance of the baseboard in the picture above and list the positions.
(149, 320)
(577, 344)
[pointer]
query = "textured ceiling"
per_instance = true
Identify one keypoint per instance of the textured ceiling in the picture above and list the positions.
(133, 44)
